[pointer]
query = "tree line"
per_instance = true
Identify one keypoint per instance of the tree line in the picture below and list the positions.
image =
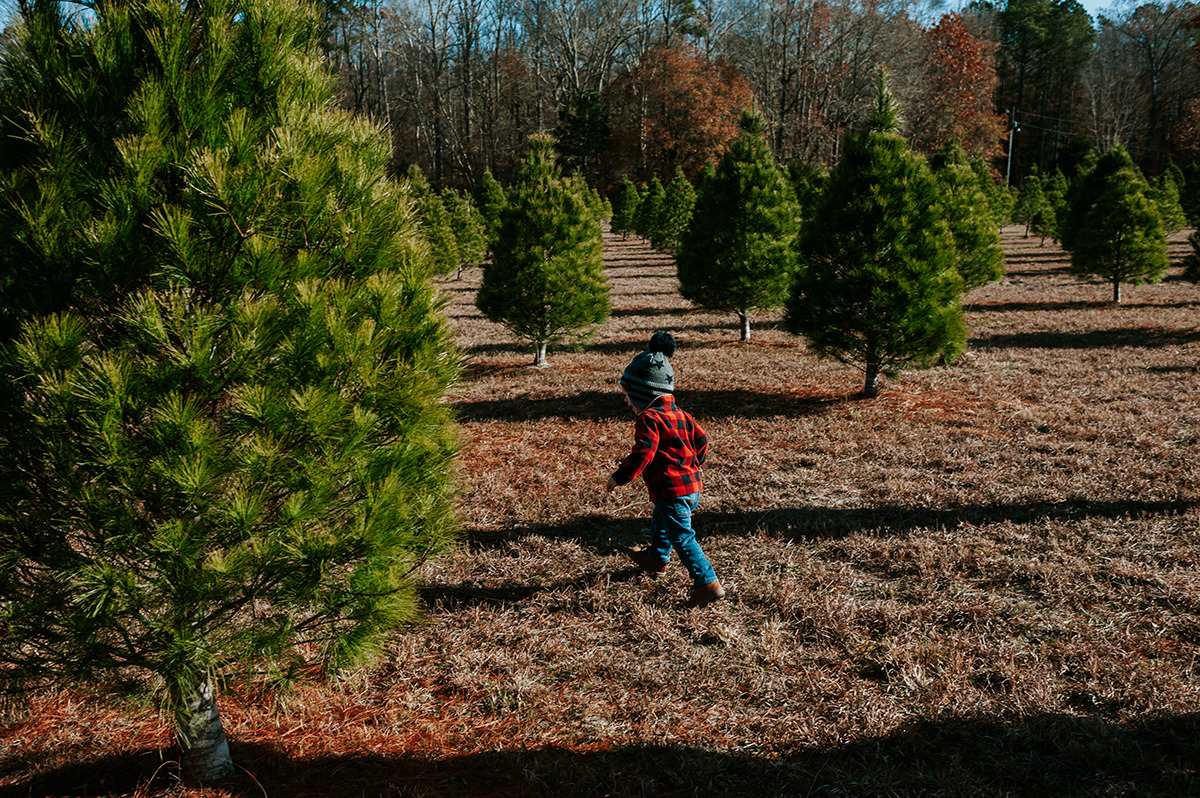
(645, 87)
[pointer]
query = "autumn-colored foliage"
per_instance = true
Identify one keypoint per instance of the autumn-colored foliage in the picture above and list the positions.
(960, 84)
(675, 110)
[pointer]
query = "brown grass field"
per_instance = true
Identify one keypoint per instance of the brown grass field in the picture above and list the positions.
(985, 582)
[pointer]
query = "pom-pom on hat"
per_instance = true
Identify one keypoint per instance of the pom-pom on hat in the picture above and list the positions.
(649, 375)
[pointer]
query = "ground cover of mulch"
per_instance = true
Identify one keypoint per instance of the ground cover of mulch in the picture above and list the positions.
(986, 581)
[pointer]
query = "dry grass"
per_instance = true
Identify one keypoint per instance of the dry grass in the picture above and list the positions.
(985, 582)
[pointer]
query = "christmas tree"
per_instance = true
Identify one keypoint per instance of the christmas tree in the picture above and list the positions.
(546, 278)
(877, 286)
(737, 254)
(223, 442)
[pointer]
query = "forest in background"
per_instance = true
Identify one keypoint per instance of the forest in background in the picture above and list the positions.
(643, 87)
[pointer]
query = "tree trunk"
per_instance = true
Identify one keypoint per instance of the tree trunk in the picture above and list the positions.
(539, 355)
(201, 735)
(744, 318)
(871, 385)
(1117, 291)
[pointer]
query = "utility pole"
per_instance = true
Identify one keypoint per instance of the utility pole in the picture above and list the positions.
(1012, 135)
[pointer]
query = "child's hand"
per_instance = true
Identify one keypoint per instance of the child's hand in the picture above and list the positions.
(611, 486)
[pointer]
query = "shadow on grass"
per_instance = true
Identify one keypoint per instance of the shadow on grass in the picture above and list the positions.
(1139, 337)
(608, 405)
(607, 534)
(1036, 755)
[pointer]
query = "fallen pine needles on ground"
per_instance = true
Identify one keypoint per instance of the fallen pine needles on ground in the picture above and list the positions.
(984, 582)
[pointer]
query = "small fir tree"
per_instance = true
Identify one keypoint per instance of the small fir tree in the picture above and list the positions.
(980, 259)
(546, 279)
(738, 252)
(649, 211)
(223, 446)
(434, 222)
(678, 206)
(1113, 230)
(624, 207)
(467, 226)
(1055, 190)
(877, 286)
(491, 200)
(1165, 193)
(1031, 208)
(1000, 200)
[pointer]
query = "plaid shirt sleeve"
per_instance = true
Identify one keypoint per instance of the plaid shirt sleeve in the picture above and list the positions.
(669, 448)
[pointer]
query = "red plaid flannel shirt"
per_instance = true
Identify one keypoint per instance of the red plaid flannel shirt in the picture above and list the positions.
(668, 449)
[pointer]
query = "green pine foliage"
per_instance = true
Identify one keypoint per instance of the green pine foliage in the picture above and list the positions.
(738, 252)
(1055, 190)
(1000, 200)
(980, 259)
(1113, 229)
(675, 214)
(491, 200)
(1165, 193)
(223, 442)
(434, 222)
(624, 208)
(649, 210)
(877, 286)
(1031, 208)
(808, 181)
(546, 278)
(467, 227)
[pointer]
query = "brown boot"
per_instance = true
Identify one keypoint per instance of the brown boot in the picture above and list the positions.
(705, 594)
(647, 561)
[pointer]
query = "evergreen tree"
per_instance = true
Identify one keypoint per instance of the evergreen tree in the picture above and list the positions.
(546, 279)
(738, 252)
(491, 200)
(877, 286)
(624, 207)
(223, 445)
(649, 210)
(1113, 229)
(676, 213)
(1000, 200)
(808, 181)
(1031, 208)
(467, 227)
(1165, 193)
(434, 222)
(980, 259)
(1055, 190)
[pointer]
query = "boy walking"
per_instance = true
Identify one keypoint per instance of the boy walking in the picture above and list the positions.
(669, 448)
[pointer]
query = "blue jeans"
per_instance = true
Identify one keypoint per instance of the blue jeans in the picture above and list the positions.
(671, 525)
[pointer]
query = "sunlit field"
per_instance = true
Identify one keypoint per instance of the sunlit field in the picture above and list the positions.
(986, 581)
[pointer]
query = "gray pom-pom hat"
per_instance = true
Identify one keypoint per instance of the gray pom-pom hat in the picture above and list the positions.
(649, 375)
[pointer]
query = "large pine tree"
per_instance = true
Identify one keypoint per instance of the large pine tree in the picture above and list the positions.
(223, 445)
(546, 279)
(1112, 228)
(738, 252)
(877, 286)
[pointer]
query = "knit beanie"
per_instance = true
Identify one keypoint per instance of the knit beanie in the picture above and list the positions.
(649, 374)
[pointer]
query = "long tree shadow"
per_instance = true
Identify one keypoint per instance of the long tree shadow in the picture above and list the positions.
(1042, 754)
(607, 405)
(1140, 337)
(606, 534)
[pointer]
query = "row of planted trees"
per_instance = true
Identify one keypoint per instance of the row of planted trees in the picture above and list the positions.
(870, 266)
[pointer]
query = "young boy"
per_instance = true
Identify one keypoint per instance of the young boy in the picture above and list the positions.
(669, 448)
